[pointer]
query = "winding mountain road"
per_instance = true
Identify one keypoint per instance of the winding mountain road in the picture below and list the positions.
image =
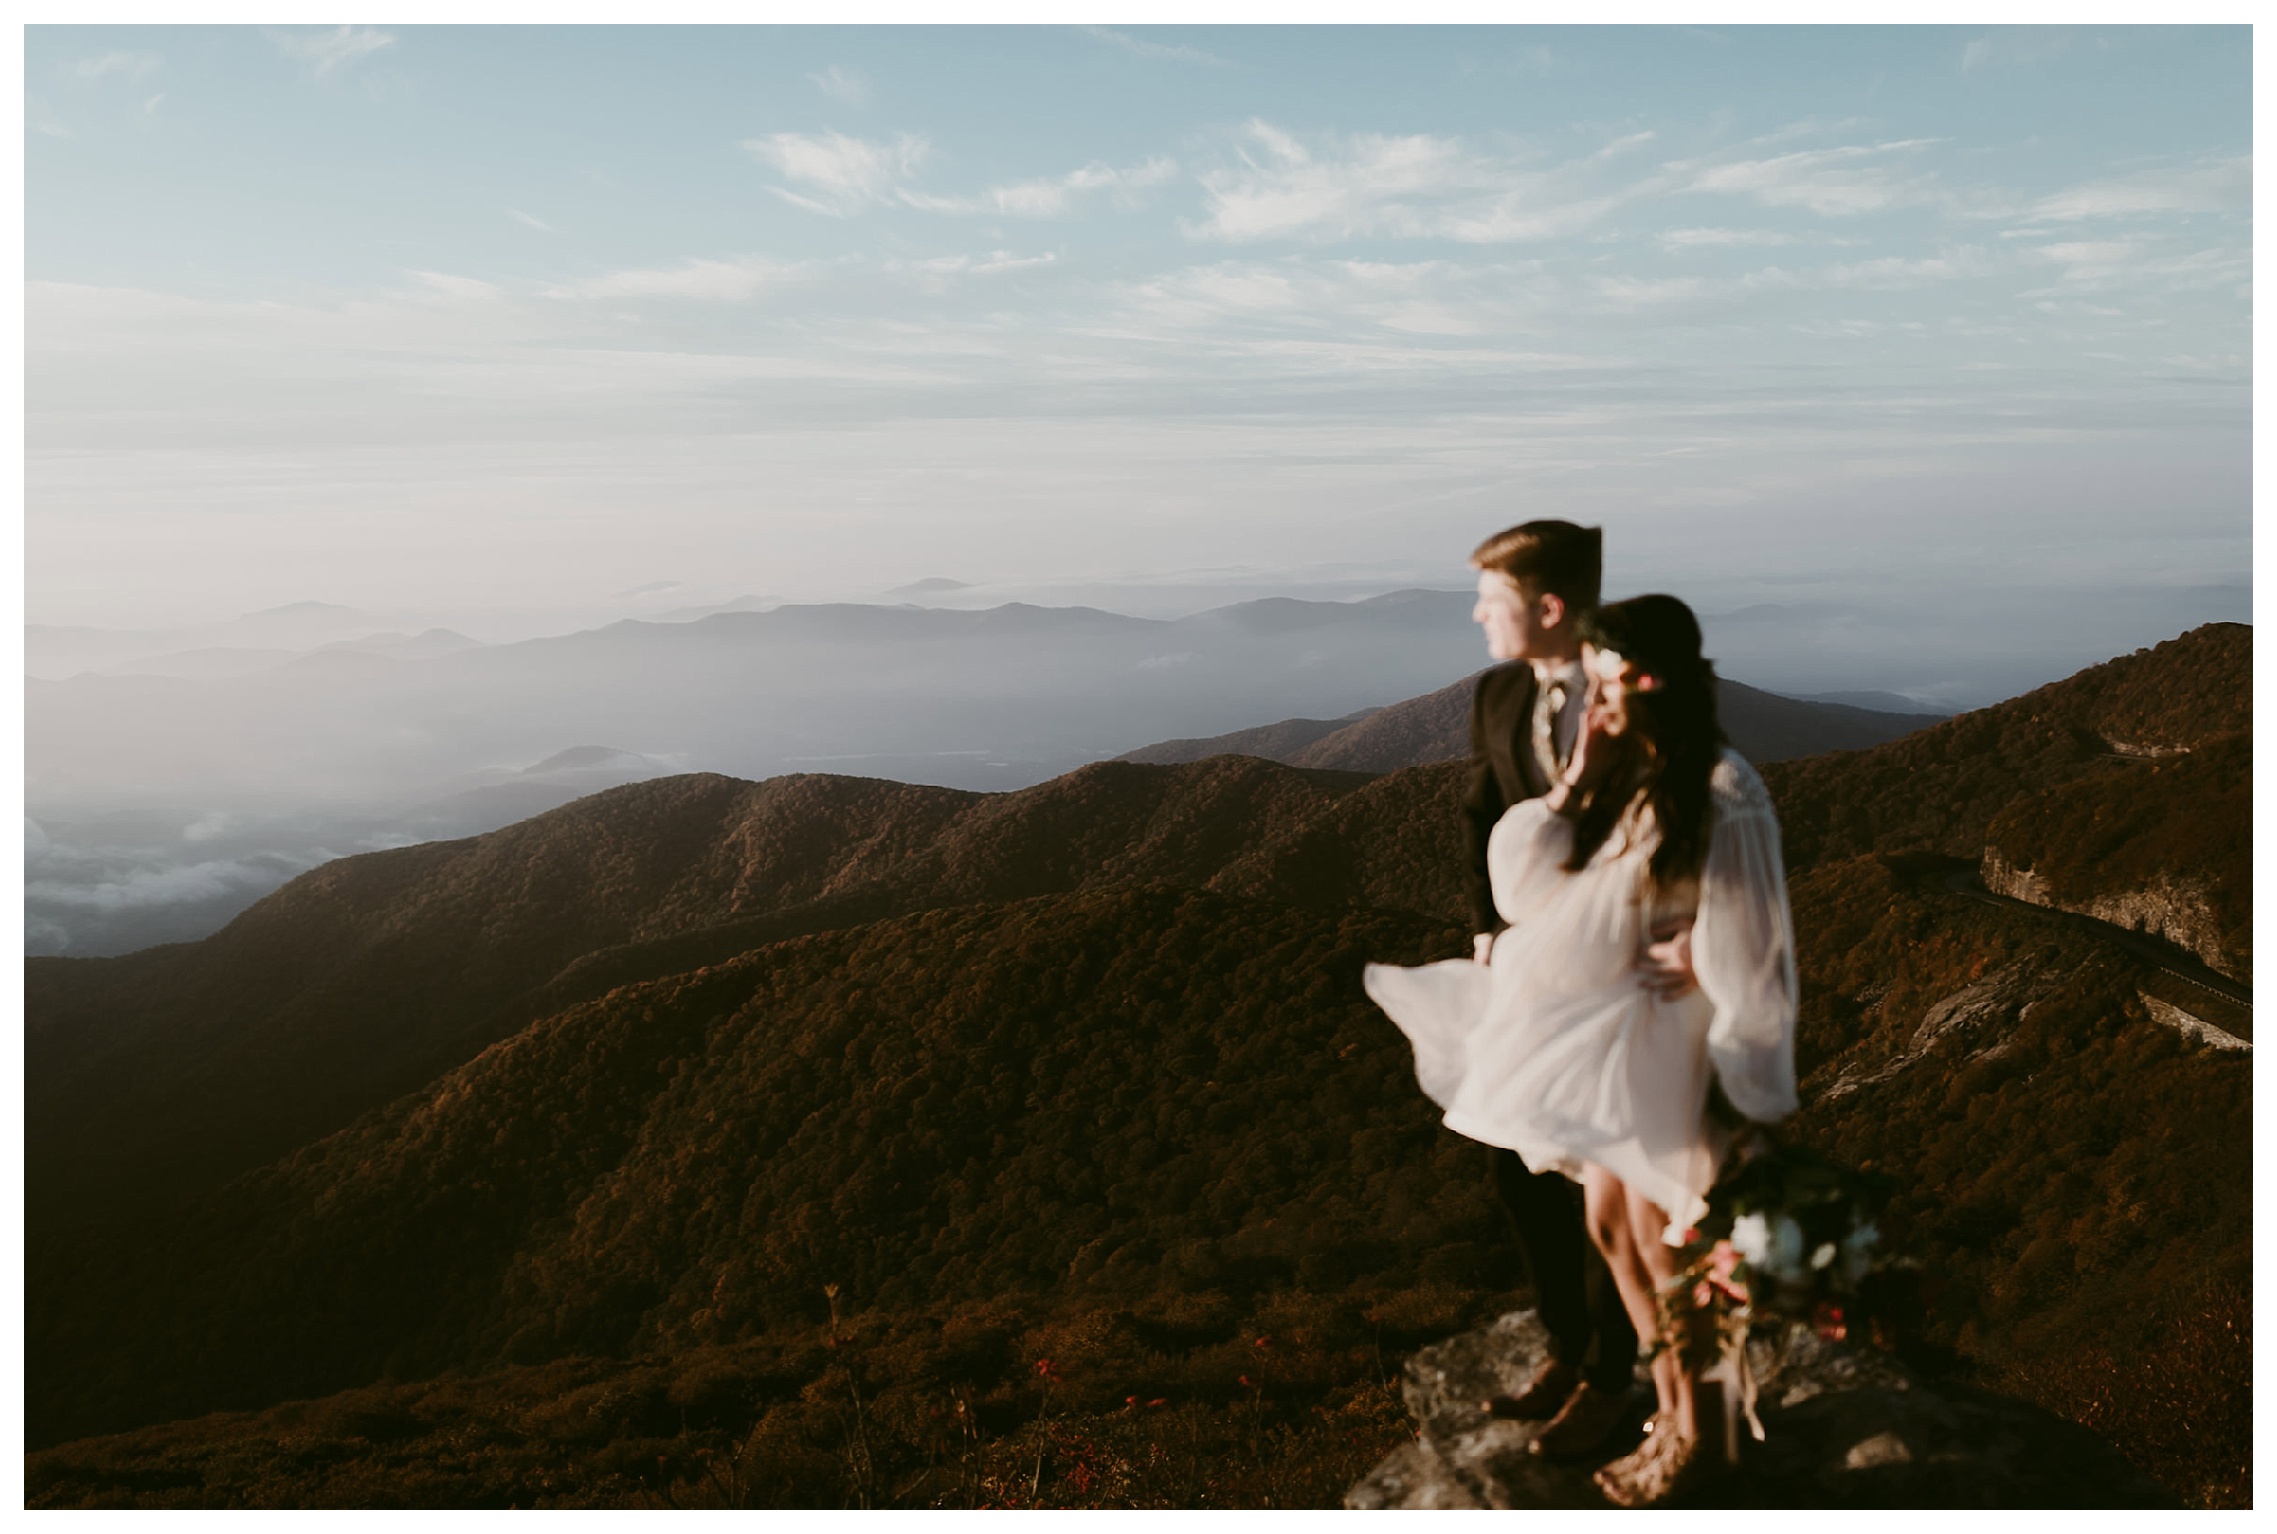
(2181, 979)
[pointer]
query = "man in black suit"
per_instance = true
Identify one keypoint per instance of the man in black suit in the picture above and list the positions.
(1535, 581)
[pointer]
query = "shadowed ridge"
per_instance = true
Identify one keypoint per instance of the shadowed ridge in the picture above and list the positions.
(369, 975)
(1938, 789)
(1433, 728)
(363, 978)
(1281, 741)
(1763, 726)
(962, 1100)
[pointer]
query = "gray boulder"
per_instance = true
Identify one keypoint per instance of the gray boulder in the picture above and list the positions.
(1843, 1427)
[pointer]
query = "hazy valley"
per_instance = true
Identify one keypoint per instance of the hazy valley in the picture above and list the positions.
(194, 772)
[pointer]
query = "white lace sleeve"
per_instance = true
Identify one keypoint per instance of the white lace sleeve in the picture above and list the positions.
(1525, 858)
(1743, 947)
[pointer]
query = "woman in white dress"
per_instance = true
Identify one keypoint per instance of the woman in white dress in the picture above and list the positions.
(1554, 1049)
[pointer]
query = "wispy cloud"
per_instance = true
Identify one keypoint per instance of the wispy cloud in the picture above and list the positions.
(2219, 186)
(935, 275)
(1833, 183)
(1721, 239)
(534, 222)
(713, 281)
(2016, 45)
(457, 287)
(132, 66)
(994, 261)
(1053, 196)
(840, 175)
(842, 85)
(1410, 186)
(1176, 52)
(2137, 265)
(1630, 294)
(321, 53)
(41, 119)
(1344, 309)
(1894, 272)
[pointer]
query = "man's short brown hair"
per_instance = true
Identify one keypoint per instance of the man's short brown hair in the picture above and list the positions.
(1548, 556)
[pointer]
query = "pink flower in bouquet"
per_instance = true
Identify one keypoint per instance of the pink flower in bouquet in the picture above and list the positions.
(1723, 1263)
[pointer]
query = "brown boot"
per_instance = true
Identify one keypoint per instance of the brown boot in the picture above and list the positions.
(1589, 1419)
(1545, 1397)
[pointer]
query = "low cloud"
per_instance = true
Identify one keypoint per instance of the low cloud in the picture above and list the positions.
(143, 888)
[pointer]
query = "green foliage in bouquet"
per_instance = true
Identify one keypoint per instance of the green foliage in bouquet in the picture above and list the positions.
(1786, 1234)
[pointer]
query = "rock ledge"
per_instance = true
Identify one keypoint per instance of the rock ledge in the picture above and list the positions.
(1844, 1427)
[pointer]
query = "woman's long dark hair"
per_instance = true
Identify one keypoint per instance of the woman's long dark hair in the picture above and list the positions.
(1672, 740)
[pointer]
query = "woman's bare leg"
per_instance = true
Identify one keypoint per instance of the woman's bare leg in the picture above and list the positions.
(1657, 1260)
(1605, 1208)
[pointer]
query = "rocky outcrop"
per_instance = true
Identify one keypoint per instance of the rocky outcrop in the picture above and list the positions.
(1843, 1426)
(2189, 1024)
(2005, 878)
(2176, 910)
(1978, 1018)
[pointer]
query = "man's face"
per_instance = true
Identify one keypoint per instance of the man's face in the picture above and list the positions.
(1516, 628)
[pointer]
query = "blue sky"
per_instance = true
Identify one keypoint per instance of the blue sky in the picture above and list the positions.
(1847, 320)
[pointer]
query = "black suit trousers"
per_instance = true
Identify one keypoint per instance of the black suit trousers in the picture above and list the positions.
(1581, 1308)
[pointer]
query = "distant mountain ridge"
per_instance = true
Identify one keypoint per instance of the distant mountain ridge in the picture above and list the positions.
(1763, 726)
(984, 698)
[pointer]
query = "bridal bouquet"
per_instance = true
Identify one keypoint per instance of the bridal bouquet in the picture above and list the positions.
(1787, 1235)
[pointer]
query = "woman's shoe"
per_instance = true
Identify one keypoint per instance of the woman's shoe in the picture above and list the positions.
(1669, 1469)
(1621, 1479)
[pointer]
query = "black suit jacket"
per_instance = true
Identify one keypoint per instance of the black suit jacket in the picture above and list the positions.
(1503, 772)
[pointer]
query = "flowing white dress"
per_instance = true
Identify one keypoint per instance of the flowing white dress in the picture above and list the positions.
(1555, 1051)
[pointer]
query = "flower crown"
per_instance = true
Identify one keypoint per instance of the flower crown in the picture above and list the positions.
(1640, 681)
